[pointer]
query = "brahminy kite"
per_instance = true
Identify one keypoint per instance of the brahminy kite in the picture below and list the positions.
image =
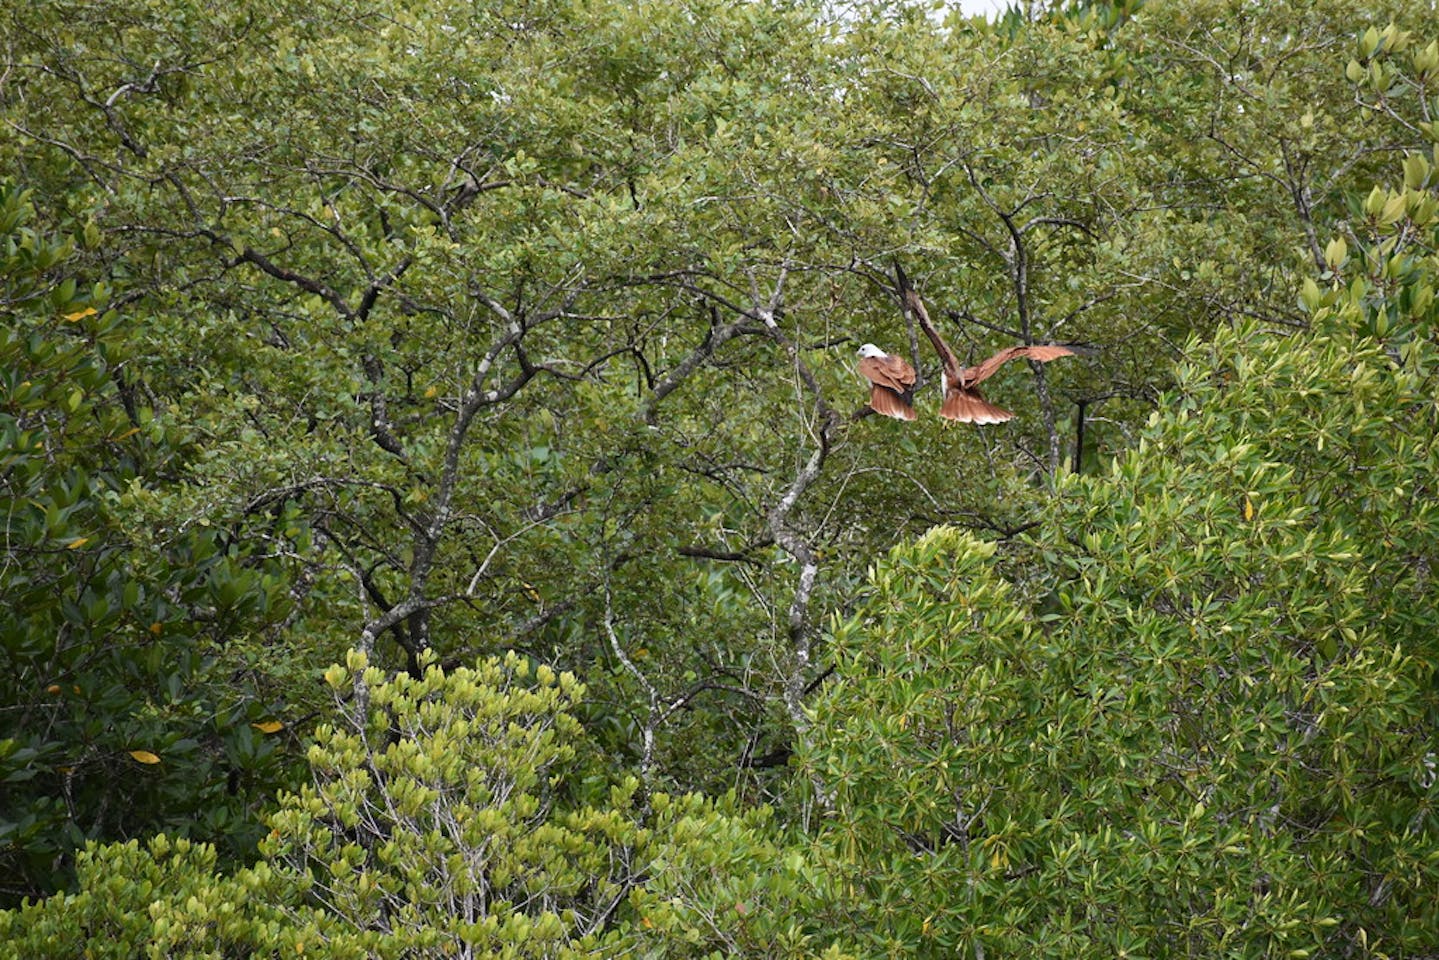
(891, 382)
(962, 401)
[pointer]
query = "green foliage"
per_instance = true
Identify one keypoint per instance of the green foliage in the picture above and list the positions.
(440, 817)
(527, 326)
(159, 900)
(1201, 719)
(119, 717)
(462, 307)
(456, 821)
(462, 816)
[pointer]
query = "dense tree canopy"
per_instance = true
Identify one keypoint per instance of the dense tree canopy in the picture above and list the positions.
(504, 351)
(1202, 718)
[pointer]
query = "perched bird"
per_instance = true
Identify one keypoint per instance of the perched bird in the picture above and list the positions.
(962, 401)
(891, 382)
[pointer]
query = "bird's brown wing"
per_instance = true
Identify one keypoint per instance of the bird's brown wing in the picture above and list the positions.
(969, 406)
(1041, 353)
(891, 385)
(916, 307)
(889, 371)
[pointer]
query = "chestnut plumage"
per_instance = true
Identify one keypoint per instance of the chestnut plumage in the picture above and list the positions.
(891, 382)
(962, 399)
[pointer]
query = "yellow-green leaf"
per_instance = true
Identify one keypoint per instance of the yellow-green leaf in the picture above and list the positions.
(1416, 171)
(1393, 209)
(1368, 43)
(1336, 253)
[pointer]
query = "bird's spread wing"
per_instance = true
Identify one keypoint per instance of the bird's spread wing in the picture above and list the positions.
(961, 401)
(916, 307)
(969, 406)
(889, 371)
(1041, 353)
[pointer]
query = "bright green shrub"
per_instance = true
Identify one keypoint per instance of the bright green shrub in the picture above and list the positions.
(164, 900)
(1199, 718)
(455, 819)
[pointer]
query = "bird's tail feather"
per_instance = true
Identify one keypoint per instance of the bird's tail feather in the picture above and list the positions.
(968, 406)
(885, 401)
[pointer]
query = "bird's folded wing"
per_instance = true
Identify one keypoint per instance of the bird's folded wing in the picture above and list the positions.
(890, 371)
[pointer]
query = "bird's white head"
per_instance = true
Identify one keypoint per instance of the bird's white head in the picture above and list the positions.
(870, 350)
